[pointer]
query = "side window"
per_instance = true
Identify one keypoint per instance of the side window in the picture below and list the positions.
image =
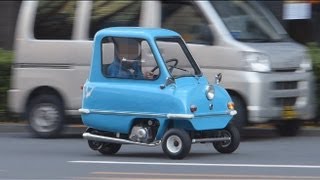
(113, 13)
(128, 58)
(54, 19)
(186, 19)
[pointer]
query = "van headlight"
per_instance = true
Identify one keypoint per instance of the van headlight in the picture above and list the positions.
(210, 92)
(257, 61)
(306, 63)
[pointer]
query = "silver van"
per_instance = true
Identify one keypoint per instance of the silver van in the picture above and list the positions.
(268, 75)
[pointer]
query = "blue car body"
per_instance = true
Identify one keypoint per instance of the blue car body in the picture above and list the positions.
(113, 104)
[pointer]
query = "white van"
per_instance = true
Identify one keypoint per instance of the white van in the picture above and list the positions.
(268, 75)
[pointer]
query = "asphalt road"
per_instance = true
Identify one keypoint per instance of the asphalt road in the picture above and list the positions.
(69, 157)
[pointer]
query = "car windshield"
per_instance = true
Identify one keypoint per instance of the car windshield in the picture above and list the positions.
(248, 21)
(178, 59)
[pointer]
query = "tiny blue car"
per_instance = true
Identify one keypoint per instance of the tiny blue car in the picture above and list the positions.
(145, 88)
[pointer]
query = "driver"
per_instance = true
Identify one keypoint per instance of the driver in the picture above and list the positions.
(127, 57)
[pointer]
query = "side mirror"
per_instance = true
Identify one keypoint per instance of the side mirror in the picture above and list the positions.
(218, 78)
(169, 81)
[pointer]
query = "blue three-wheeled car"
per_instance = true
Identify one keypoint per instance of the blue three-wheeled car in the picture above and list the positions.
(145, 88)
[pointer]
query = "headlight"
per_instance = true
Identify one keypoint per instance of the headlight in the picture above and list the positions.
(306, 64)
(209, 92)
(258, 62)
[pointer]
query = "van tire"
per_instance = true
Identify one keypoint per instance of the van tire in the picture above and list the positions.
(45, 116)
(288, 128)
(240, 119)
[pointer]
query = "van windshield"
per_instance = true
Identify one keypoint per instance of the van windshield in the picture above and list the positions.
(177, 57)
(249, 21)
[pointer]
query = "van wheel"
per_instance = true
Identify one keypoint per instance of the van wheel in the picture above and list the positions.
(231, 145)
(288, 128)
(176, 143)
(45, 116)
(240, 119)
(109, 148)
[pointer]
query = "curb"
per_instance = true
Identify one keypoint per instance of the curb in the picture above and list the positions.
(23, 128)
(266, 131)
(253, 132)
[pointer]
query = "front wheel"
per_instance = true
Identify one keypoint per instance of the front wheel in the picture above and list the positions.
(176, 143)
(228, 146)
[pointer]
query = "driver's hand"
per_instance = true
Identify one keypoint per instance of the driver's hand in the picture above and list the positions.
(149, 75)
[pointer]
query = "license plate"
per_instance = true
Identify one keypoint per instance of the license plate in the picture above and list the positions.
(288, 113)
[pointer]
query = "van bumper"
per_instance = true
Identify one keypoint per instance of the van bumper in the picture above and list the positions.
(15, 101)
(272, 93)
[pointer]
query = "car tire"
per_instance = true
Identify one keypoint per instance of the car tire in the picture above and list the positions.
(176, 143)
(228, 146)
(95, 145)
(45, 116)
(109, 148)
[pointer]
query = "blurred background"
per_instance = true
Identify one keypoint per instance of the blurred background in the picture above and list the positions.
(302, 22)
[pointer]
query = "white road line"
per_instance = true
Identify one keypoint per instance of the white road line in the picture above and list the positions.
(244, 176)
(200, 164)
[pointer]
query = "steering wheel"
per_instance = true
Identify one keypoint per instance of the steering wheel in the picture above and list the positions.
(168, 61)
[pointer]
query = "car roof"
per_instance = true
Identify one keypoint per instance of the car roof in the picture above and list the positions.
(137, 32)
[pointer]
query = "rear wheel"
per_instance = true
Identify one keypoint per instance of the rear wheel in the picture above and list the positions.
(45, 116)
(109, 148)
(231, 145)
(94, 145)
(176, 143)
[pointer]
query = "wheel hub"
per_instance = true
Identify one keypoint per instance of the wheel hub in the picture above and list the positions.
(44, 117)
(226, 134)
(174, 144)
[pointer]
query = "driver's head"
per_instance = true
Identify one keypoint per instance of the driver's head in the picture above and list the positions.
(126, 48)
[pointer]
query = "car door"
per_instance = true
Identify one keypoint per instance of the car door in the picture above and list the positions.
(120, 98)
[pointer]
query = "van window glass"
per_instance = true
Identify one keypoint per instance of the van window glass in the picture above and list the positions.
(128, 58)
(248, 21)
(112, 13)
(54, 19)
(186, 19)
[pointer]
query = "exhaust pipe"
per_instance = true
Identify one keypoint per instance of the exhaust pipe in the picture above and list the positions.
(211, 140)
(95, 137)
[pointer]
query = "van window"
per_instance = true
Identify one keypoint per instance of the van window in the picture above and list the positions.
(111, 13)
(54, 19)
(186, 19)
(248, 21)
